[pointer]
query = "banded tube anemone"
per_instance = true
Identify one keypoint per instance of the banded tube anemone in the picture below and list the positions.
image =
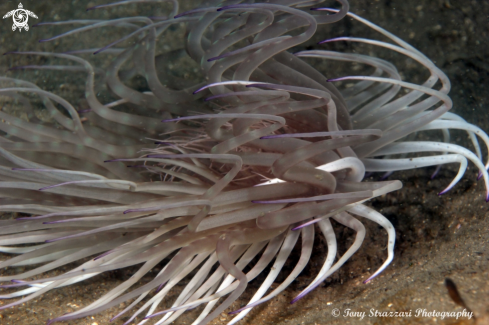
(231, 168)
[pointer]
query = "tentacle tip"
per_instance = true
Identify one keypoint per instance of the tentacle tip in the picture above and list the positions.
(487, 197)
(295, 300)
(234, 312)
(212, 59)
(251, 86)
(43, 40)
(373, 276)
(444, 191)
(114, 318)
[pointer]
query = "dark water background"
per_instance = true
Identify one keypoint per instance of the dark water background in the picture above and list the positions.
(437, 237)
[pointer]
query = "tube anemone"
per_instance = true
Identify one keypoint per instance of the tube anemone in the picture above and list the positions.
(230, 170)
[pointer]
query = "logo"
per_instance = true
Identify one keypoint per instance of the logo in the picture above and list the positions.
(20, 17)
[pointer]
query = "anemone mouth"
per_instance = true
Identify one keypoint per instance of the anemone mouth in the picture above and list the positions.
(244, 165)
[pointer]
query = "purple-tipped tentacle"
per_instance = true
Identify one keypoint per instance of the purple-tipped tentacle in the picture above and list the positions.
(118, 3)
(336, 39)
(337, 79)
(311, 222)
(91, 51)
(373, 276)
(60, 184)
(445, 190)
(252, 305)
(437, 170)
(480, 175)
(333, 196)
(225, 83)
(237, 93)
(195, 11)
(325, 9)
(40, 217)
(33, 169)
(140, 210)
(84, 111)
(57, 221)
(324, 134)
(160, 287)
(386, 175)
(103, 254)
(16, 284)
(22, 67)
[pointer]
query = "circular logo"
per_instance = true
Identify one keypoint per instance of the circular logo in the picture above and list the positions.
(335, 312)
(20, 18)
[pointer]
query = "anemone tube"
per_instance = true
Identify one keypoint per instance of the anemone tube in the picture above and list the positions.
(235, 177)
